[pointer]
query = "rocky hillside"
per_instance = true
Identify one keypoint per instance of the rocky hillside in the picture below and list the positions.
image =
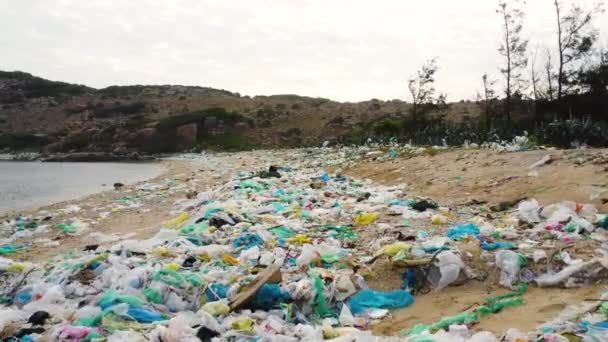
(38, 114)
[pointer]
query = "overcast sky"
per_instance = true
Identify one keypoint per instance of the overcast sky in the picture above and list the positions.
(347, 50)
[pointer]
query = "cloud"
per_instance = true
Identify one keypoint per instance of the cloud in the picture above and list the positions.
(347, 50)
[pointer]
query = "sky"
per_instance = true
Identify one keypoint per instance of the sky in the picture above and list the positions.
(345, 50)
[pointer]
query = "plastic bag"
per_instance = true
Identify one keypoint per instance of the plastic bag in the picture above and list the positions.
(66, 228)
(462, 231)
(123, 336)
(268, 296)
(344, 287)
(496, 245)
(169, 277)
(309, 255)
(371, 299)
(346, 317)
(111, 297)
(509, 264)
(178, 330)
(177, 222)
(217, 308)
(282, 232)
(8, 249)
(366, 218)
(248, 241)
(561, 276)
(450, 265)
(528, 211)
(394, 248)
(320, 305)
(439, 219)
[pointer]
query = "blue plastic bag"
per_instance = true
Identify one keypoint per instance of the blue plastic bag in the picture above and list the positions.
(269, 296)
(462, 231)
(372, 299)
(144, 315)
(23, 298)
(248, 241)
(496, 245)
(216, 291)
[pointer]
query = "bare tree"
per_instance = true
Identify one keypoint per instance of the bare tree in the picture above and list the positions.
(513, 49)
(575, 38)
(550, 92)
(535, 80)
(421, 86)
(488, 98)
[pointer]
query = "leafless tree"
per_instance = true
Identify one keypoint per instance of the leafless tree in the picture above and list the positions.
(488, 98)
(535, 81)
(550, 92)
(421, 86)
(513, 49)
(575, 37)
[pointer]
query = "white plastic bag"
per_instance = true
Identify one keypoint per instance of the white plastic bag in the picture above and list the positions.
(528, 211)
(508, 263)
(346, 318)
(449, 265)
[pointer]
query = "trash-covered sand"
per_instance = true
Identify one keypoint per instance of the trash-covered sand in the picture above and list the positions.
(295, 245)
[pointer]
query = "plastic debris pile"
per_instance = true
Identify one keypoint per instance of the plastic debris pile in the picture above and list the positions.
(286, 253)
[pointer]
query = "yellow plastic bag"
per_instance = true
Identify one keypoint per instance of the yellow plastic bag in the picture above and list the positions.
(172, 266)
(366, 218)
(439, 219)
(217, 308)
(229, 259)
(299, 239)
(162, 252)
(177, 222)
(394, 248)
(242, 324)
(16, 268)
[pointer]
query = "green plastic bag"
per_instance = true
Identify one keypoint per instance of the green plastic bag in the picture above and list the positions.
(153, 296)
(483, 310)
(320, 305)
(112, 297)
(520, 291)
(194, 229)
(194, 280)
(282, 232)
(8, 249)
(251, 184)
(603, 222)
(66, 228)
(93, 336)
(169, 277)
(330, 258)
(89, 321)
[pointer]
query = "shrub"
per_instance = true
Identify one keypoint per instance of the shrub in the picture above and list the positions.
(387, 127)
(18, 142)
(119, 109)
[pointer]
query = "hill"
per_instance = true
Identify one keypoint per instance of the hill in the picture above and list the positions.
(39, 114)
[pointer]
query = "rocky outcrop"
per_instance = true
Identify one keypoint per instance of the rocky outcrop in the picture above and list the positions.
(93, 157)
(186, 136)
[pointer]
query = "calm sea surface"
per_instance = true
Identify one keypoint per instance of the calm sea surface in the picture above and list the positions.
(34, 184)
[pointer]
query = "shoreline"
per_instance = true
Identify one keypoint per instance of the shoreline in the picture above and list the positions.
(163, 165)
(87, 209)
(134, 211)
